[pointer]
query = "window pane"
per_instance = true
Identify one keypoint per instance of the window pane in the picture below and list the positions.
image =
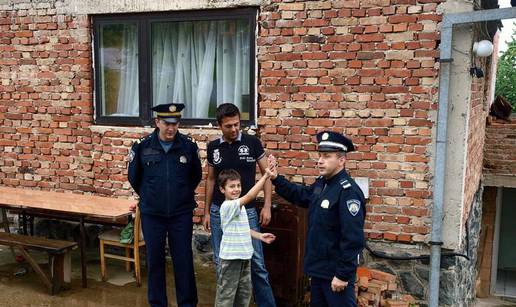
(118, 52)
(201, 64)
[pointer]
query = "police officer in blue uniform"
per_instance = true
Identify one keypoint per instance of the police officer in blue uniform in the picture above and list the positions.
(164, 169)
(336, 222)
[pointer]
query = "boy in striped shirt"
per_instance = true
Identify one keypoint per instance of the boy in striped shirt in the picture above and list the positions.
(234, 286)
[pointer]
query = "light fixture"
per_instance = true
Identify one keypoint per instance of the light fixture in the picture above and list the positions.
(477, 72)
(483, 48)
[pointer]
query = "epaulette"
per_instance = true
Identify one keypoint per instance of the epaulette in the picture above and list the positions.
(191, 139)
(345, 184)
(143, 139)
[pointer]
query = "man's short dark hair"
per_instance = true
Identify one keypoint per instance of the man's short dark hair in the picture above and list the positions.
(226, 110)
(341, 154)
(226, 175)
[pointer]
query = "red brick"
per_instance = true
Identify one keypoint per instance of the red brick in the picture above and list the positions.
(23, 33)
(315, 22)
(370, 37)
(402, 18)
(389, 236)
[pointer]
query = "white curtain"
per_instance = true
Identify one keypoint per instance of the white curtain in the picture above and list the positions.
(200, 63)
(127, 103)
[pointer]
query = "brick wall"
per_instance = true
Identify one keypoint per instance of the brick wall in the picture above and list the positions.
(479, 103)
(365, 68)
(46, 102)
(500, 148)
(485, 250)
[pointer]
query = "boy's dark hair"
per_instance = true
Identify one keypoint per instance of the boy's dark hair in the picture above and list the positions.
(226, 175)
(226, 110)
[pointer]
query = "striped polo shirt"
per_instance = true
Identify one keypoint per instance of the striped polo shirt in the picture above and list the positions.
(236, 235)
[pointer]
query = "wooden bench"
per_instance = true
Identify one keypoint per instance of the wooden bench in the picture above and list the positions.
(58, 255)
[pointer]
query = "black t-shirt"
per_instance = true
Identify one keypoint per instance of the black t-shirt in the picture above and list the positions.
(242, 156)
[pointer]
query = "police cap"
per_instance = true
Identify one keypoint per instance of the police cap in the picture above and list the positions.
(169, 112)
(333, 141)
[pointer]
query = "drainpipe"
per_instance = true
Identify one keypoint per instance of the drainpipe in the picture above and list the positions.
(440, 161)
(445, 59)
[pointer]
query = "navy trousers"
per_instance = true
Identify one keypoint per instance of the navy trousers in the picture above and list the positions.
(178, 229)
(323, 296)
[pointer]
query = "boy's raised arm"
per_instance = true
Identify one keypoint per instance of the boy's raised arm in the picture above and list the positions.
(251, 195)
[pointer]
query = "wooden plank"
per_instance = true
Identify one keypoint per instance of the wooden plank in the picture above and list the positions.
(5, 222)
(102, 261)
(118, 257)
(87, 205)
(36, 267)
(67, 268)
(38, 243)
(83, 254)
(48, 214)
(57, 271)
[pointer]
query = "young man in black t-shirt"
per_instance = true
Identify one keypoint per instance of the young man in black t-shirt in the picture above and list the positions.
(241, 152)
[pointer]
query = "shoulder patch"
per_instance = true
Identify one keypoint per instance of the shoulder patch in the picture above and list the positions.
(345, 184)
(353, 206)
(131, 155)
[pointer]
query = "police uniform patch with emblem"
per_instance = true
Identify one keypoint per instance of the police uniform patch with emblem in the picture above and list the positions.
(353, 206)
(131, 155)
(183, 159)
(325, 204)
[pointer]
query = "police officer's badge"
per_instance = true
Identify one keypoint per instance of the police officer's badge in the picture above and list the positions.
(172, 108)
(216, 156)
(353, 206)
(183, 159)
(325, 204)
(325, 136)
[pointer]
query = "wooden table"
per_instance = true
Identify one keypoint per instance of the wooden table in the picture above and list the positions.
(67, 206)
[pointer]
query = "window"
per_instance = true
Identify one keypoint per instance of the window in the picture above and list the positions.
(201, 59)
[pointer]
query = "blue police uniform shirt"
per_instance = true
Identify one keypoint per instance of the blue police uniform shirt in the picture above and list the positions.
(166, 145)
(335, 235)
(165, 180)
(241, 155)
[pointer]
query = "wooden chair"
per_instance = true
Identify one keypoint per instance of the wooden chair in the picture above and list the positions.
(112, 237)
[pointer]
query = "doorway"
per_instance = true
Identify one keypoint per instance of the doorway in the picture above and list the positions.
(503, 278)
